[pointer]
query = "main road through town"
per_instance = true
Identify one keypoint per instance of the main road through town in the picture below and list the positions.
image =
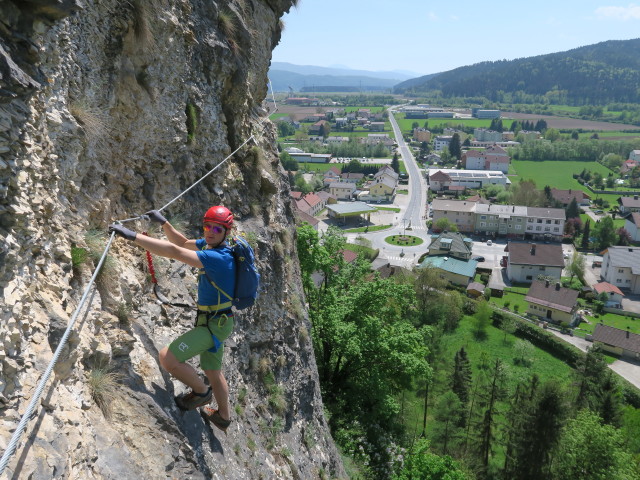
(412, 216)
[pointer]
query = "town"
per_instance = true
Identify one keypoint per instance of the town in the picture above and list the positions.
(554, 255)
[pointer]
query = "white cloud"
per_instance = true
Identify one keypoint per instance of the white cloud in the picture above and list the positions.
(455, 18)
(433, 17)
(630, 12)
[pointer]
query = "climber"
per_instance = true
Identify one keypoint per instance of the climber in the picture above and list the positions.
(214, 319)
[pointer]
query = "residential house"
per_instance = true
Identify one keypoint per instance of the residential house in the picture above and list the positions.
(382, 188)
(317, 128)
(529, 135)
(296, 195)
(566, 196)
(552, 302)
(481, 160)
(342, 190)
(628, 165)
(621, 267)
(364, 112)
(459, 212)
(351, 177)
(545, 223)
(387, 171)
(459, 272)
(433, 158)
(617, 342)
(629, 204)
(315, 203)
(388, 270)
(421, 135)
(326, 197)
(526, 261)
(634, 155)
(503, 220)
(486, 135)
(632, 225)
(451, 244)
(314, 117)
(614, 294)
(331, 175)
(441, 142)
(303, 217)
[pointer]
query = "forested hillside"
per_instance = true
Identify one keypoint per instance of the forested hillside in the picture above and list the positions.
(592, 75)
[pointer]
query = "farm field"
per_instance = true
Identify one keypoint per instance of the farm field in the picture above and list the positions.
(554, 173)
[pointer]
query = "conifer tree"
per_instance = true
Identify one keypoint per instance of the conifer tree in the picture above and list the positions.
(461, 380)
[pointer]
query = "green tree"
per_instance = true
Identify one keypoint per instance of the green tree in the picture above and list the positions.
(605, 233)
(421, 464)
(454, 146)
(586, 232)
(481, 320)
(589, 450)
(444, 225)
(461, 378)
(448, 428)
(577, 266)
(395, 163)
(573, 211)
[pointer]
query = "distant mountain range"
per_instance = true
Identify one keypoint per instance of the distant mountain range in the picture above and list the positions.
(599, 74)
(309, 78)
(606, 72)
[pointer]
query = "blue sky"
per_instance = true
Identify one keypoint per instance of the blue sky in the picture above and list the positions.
(424, 36)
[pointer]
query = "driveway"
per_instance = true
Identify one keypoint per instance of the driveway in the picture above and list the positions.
(626, 369)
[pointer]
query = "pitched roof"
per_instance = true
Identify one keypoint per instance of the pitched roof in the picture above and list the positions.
(630, 202)
(440, 176)
(466, 268)
(635, 218)
(347, 185)
(617, 337)
(607, 287)
(312, 199)
(552, 295)
(349, 256)
(547, 254)
(302, 217)
(477, 286)
(628, 257)
(452, 242)
(565, 196)
(296, 195)
(302, 205)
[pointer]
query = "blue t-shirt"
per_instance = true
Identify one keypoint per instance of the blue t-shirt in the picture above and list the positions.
(219, 265)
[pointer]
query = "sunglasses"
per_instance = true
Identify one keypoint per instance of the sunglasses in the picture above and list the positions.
(213, 228)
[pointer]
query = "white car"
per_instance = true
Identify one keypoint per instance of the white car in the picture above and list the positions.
(489, 242)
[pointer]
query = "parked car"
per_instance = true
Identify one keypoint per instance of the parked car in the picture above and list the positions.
(479, 259)
(489, 242)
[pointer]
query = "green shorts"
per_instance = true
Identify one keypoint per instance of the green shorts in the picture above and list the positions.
(198, 341)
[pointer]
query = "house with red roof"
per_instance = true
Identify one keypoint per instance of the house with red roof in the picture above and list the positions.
(614, 294)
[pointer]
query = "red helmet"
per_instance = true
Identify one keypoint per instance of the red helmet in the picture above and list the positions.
(221, 215)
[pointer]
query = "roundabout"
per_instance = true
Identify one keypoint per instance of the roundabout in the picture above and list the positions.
(404, 240)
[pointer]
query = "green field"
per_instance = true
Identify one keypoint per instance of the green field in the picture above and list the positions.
(556, 174)
(405, 123)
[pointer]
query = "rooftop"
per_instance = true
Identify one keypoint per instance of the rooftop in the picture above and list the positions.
(552, 295)
(466, 268)
(617, 337)
(547, 254)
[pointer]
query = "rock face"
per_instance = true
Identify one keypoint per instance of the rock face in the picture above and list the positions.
(109, 109)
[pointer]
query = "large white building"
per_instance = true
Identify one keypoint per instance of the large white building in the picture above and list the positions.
(443, 178)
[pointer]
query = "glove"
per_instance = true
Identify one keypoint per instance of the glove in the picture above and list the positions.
(122, 231)
(156, 216)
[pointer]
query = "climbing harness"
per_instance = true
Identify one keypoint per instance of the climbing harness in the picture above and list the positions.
(11, 447)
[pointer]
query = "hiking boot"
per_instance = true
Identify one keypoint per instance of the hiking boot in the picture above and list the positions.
(193, 400)
(213, 416)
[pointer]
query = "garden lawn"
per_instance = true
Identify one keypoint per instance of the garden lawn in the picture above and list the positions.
(512, 300)
(612, 320)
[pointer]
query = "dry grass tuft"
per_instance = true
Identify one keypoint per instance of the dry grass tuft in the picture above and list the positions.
(92, 120)
(103, 385)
